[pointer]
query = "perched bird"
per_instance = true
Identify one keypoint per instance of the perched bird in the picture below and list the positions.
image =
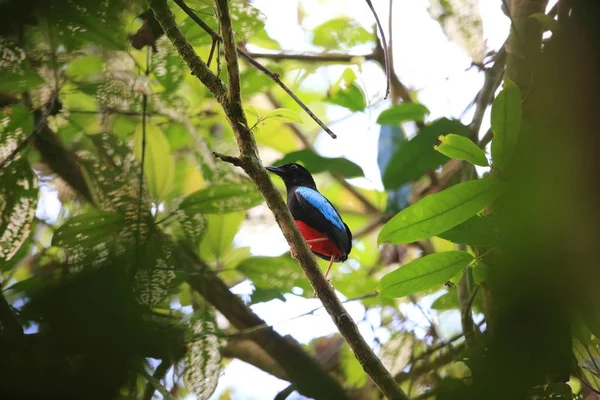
(317, 219)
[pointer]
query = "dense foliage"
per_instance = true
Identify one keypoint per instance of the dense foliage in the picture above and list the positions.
(122, 292)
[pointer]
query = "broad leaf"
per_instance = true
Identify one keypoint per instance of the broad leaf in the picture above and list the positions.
(417, 156)
(340, 32)
(439, 212)
(402, 113)
(218, 237)
(18, 184)
(476, 231)
(281, 273)
(506, 124)
(283, 114)
(221, 199)
(447, 301)
(262, 295)
(424, 273)
(316, 163)
(16, 75)
(461, 148)
(203, 359)
(159, 166)
(351, 97)
(88, 229)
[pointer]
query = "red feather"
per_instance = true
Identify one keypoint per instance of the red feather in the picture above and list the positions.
(324, 247)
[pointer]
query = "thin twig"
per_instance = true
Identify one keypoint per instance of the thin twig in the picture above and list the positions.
(275, 77)
(486, 139)
(228, 159)
(493, 77)
(385, 52)
(154, 381)
(307, 57)
(247, 332)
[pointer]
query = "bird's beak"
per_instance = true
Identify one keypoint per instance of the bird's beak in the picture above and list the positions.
(275, 170)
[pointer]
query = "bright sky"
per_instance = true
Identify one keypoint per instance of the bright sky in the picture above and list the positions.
(424, 59)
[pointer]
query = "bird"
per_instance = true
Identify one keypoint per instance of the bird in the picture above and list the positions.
(319, 222)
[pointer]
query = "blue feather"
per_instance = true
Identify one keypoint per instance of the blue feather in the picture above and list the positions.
(319, 202)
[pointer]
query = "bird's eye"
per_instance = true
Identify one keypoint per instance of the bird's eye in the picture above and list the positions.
(294, 166)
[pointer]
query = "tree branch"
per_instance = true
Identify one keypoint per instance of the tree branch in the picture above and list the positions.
(493, 77)
(386, 60)
(242, 53)
(253, 167)
(251, 353)
(154, 380)
(321, 58)
(304, 371)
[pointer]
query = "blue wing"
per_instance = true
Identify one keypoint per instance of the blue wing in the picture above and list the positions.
(319, 213)
(318, 201)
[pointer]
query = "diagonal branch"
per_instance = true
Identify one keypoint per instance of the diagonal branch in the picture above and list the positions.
(242, 53)
(252, 166)
(304, 371)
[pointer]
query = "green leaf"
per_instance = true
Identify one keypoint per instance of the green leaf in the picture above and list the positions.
(18, 184)
(447, 301)
(351, 97)
(506, 124)
(159, 166)
(262, 295)
(546, 21)
(481, 273)
(354, 373)
(219, 236)
(281, 273)
(417, 156)
(461, 148)
(401, 113)
(85, 67)
(476, 231)
(88, 229)
(203, 359)
(222, 198)
(317, 164)
(340, 32)
(424, 273)
(284, 114)
(439, 212)
(17, 82)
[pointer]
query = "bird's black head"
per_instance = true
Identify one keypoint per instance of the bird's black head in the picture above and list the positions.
(294, 175)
